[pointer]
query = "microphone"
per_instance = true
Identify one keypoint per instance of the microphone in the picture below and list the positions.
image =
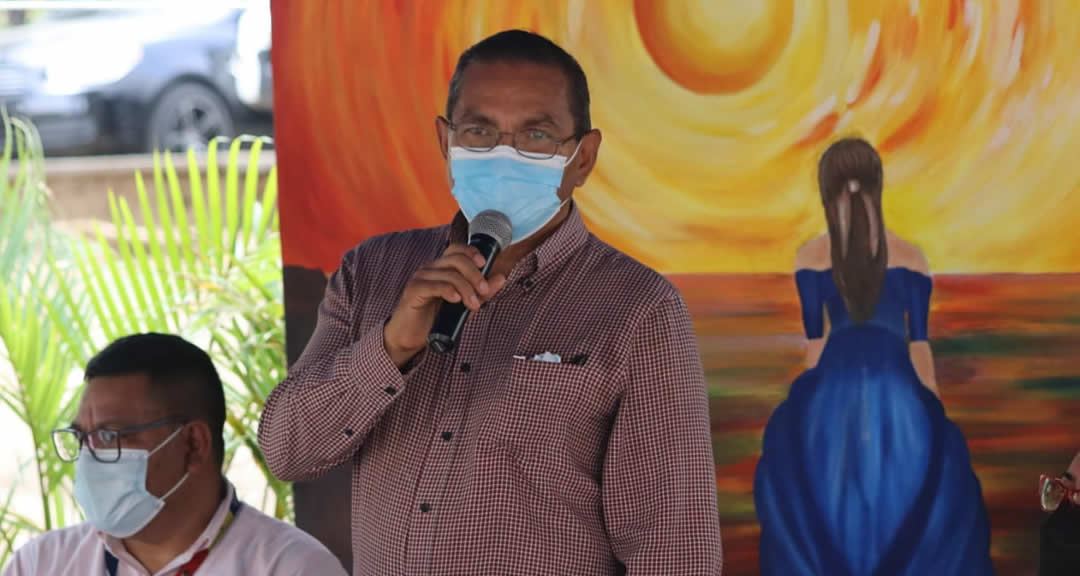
(489, 232)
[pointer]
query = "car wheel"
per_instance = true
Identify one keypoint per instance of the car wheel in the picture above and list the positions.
(188, 115)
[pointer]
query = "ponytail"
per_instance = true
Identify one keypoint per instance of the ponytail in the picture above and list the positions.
(850, 181)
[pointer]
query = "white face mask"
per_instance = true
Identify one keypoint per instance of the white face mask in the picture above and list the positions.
(113, 495)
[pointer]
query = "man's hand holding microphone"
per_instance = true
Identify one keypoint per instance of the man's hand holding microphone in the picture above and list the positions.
(439, 296)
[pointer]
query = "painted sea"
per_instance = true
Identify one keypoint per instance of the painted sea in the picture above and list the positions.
(1006, 349)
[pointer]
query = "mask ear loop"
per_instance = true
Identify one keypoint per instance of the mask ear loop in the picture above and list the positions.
(567, 163)
(574, 155)
(175, 487)
(183, 478)
(165, 441)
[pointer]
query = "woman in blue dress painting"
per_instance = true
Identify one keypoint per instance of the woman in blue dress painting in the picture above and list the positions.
(861, 472)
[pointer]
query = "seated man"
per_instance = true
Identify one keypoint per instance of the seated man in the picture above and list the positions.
(1059, 549)
(148, 450)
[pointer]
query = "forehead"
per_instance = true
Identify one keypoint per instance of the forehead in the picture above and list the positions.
(507, 92)
(116, 401)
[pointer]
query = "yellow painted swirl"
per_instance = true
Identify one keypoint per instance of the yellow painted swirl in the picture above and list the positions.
(714, 113)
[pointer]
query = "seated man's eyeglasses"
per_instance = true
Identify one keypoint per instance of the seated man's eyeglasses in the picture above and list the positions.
(1054, 491)
(103, 443)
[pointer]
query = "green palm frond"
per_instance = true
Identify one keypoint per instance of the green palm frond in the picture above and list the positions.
(40, 395)
(206, 265)
(37, 359)
(23, 206)
(9, 531)
(156, 270)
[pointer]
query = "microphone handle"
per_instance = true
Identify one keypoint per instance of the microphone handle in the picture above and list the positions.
(452, 315)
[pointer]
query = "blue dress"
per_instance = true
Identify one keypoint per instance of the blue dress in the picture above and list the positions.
(861, 472)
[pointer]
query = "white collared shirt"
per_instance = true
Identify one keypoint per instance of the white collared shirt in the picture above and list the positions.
(254, 543)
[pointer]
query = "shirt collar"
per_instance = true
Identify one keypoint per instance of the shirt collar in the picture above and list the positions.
(115, 546)
(570, 235)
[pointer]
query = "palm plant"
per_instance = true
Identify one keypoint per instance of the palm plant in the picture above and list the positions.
(35, 383)
(204, 263)
(208, 267)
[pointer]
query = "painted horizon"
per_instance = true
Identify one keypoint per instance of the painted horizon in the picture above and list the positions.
(714, 114)
(1005, 357)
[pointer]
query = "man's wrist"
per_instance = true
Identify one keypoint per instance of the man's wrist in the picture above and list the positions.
(401, 358)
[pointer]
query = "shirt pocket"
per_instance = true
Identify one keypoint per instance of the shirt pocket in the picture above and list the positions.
(533, 412)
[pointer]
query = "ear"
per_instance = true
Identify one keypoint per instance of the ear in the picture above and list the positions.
(582, 165)
(442, 132)
(200, 446)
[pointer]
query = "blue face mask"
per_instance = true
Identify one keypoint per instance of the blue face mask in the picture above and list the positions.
(113, 495)
(526, 190)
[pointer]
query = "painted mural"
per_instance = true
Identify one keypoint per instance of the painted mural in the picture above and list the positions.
(715, 115)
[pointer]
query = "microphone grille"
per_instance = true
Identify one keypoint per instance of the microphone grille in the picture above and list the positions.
(494, 224)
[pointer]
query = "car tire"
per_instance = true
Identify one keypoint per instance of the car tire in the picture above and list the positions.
(188, 115)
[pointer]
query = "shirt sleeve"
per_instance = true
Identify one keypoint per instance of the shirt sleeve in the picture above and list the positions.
(24, 562)
(812, 301)
(320, 415)
(307, 560)
(920, 288)
(659, 479)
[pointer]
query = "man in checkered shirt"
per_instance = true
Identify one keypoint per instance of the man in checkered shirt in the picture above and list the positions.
(568, 432)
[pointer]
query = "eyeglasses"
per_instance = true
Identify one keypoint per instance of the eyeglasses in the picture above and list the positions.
(103, 443)
(533, 143)
(1053, 491)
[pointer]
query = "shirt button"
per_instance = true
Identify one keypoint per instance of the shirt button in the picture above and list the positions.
(465, 367)
(425, 507)
(527, 283)
(348, 432)
(446, 436)
(390, 390)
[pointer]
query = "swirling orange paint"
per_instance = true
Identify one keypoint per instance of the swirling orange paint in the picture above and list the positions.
(705, 47)
(710, 137)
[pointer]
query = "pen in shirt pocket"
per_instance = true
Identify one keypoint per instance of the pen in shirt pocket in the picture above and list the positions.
(576, 360)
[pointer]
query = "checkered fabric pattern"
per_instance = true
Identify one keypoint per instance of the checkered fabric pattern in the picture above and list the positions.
(485, 461)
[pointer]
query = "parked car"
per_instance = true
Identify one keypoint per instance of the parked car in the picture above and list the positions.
(251, 61)
(137, 79)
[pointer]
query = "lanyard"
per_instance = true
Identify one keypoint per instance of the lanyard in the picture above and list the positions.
(189, 567)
